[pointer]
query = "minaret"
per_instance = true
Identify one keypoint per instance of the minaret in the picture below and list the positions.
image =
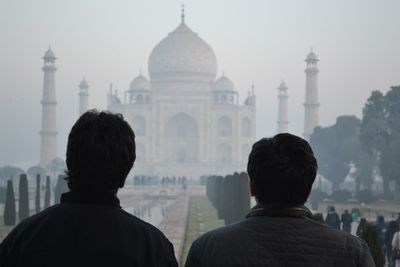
(283, 119)
(83, 96)
(48, 132)
(311, 104)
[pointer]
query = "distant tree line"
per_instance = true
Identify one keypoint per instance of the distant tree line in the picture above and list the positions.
(229, 195)
(371, 144)
(10, 213)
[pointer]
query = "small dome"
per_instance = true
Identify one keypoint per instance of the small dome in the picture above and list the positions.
(283, 86)
(49, 54)
(180, 54)
(140, 83)
(223, 84)
(312, 57)
(83, 84)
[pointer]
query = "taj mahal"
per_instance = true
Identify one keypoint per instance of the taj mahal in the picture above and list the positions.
(187, 121)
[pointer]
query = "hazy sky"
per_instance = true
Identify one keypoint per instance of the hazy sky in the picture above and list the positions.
(260, 41)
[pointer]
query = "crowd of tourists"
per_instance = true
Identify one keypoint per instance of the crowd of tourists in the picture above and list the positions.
(388, 234)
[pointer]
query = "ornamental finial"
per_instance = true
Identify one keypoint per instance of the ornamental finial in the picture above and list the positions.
(183, 13)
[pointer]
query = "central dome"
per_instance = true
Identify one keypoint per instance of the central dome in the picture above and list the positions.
(182, 56)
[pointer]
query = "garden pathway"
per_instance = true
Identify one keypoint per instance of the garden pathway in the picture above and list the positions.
(174, 224)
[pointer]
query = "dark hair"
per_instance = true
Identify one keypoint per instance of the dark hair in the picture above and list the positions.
(100, 152)
(282, 169)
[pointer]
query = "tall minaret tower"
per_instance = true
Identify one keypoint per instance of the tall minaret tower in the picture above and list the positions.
(283, 118)
(83, 96)
(311, 104)
(48, 132)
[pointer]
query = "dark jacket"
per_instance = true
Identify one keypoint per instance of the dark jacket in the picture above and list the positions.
(86, 232)
(332, 219)
(286, 238)
(346, 222)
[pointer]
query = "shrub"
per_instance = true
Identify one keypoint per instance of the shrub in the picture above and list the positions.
(23, 209)
(9, 207)
(61, 187)
(47, 193)
(37, 197)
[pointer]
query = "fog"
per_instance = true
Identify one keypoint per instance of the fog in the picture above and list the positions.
(260, 42)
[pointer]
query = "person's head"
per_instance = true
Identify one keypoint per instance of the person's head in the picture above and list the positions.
(332, 209)
(363, 222)
(282, 170)
(100, 153)
(346, 211)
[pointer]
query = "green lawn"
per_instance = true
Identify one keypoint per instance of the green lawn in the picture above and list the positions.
(202, 218)
(4, 230)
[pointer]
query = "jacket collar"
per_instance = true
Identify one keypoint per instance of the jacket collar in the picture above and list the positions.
(90, 198)
(278, 210)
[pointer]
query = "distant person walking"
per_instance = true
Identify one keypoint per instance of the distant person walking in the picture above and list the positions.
(361, 228)
(380, 228)
(390, 231)
(396, 249)
(347, 219)
(354, 215)
(332, 218)
(398, 220)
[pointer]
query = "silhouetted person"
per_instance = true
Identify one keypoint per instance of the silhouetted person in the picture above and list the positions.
(332, 219)
(347, 219)
(390, 231)
(380, 228)
(88, 227)
(361, 228)
(398, 220)
(279, 230)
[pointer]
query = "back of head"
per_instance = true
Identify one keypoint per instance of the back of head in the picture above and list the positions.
(100, 153)
(282, 170)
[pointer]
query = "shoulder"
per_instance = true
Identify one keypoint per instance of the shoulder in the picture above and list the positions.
(143, 226)
(228, 234)
(348, 241)
(33, 220)
(16, 235)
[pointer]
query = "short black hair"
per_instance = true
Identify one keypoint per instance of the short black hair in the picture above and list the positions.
(100, 152)
(282, 169)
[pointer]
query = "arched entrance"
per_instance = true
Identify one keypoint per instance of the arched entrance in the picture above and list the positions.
(181, 142)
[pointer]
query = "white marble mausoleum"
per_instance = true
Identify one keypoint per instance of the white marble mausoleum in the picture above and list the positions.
(187, 122)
